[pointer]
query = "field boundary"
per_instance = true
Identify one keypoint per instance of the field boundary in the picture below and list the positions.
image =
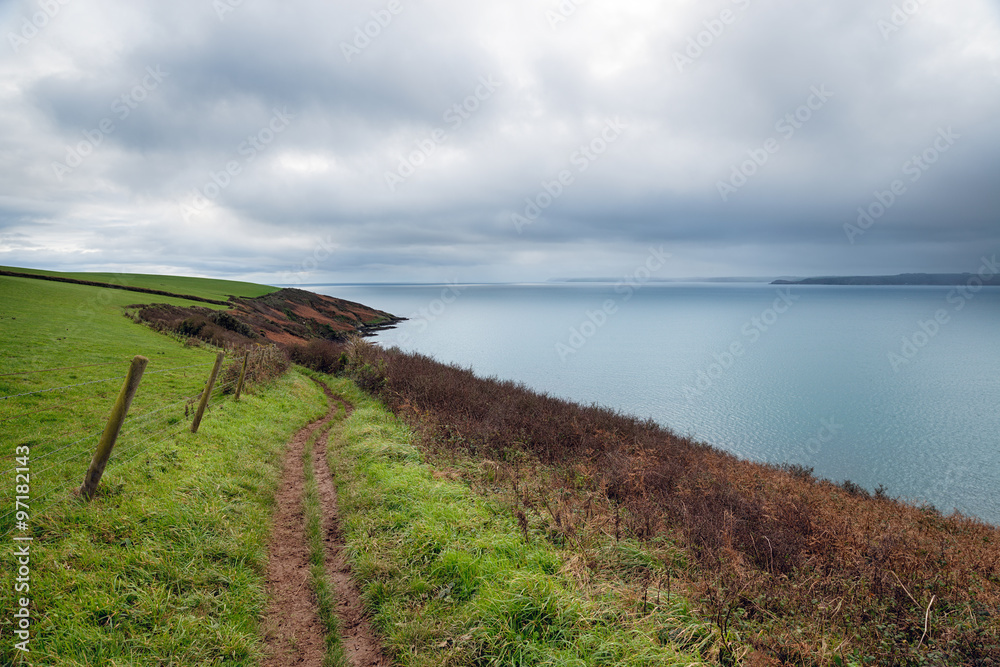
(126, 288)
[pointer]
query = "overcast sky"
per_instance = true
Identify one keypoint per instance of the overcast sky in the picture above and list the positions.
(520, 140)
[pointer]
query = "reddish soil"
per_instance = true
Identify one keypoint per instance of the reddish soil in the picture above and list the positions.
(286, 317)
(361, 645)
(293, 631)
(306, 316)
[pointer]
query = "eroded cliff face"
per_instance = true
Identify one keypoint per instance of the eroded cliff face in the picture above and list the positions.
(288, 316)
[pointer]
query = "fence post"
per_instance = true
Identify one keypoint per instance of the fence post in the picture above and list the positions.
(243, 375)
(208, 391)
(114, 427)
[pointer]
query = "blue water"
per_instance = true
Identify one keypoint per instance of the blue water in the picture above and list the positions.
(811, 381)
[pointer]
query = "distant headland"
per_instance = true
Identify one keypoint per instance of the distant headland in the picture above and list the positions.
(940, 279)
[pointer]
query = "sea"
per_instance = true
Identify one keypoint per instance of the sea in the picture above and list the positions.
(897, 387)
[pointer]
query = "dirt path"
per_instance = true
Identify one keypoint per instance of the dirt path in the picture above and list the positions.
(361, 645)
(293, 631)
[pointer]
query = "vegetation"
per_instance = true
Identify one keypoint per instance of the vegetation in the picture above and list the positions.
(166, 565)
(452, 579)
(206, 288)
(487, 524)
(805, 571)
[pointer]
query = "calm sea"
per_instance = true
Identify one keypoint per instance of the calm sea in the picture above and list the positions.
(896, 386)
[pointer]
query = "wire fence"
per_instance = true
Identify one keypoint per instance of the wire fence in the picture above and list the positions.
(49, 429)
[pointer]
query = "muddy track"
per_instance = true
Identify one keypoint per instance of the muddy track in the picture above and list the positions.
(293, 631)
(362, 646)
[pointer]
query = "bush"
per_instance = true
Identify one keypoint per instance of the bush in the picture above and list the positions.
(320, 355)
(798, 471)
(227, 321)
(855, 489)
(266, 363)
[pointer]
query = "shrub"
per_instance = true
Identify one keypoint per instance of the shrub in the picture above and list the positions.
(772, 540)
(855, 489)
(320, 355)
(227, 321)
(798, 471)
(265, 363)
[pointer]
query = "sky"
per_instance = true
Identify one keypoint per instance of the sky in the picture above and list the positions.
(516, 141)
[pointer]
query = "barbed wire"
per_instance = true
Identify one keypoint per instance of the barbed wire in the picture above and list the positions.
(36, 502)
(63, 368)
(119, 453)
(68, 386)
(131, 451)
(48, 409)
(146, 415)
(135, 423)
(81, 400)
(63, 462)
(92, 434)
(180, 368)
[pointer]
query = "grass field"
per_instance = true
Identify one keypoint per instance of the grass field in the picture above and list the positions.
(206, 288)
(166, 565)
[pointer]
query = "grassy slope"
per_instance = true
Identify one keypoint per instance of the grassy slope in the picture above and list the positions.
(452, 580)
(47, 325)
(167, 565)
(204, 287)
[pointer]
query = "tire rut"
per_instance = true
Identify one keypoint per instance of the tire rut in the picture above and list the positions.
(293, 631)
(362, 646)
(294, 634)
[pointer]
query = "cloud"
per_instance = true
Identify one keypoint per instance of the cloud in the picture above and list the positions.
(145, 135)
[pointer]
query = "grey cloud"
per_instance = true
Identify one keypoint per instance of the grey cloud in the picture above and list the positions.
(324, 176)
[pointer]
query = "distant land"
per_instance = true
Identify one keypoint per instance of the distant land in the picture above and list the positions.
(662, 280)
(941, 279)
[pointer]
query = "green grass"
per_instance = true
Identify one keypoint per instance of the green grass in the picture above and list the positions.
(450, 580)
(206, 288)
(47, 325)
(167, 564)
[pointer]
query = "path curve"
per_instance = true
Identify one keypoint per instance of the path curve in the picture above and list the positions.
(293, 630)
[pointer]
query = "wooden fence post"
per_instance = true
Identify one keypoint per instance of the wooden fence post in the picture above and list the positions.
(243, 375)
(208, 391)
(113, 428)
